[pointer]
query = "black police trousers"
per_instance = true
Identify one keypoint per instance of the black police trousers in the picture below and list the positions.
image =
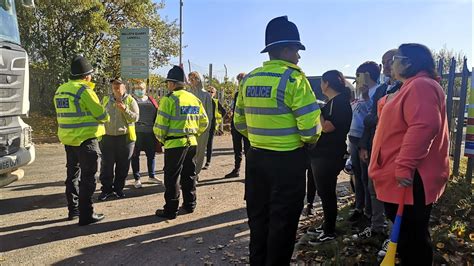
(81, 164)
(274, 191)
(180, 172)
(237, 141)
(117, 152)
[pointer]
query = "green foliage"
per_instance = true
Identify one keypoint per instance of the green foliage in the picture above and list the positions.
(56, 30)
(446, 55)
(225, 89)
(452, 223)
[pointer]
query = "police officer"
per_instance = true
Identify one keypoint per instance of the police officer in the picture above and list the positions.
(180, 118)
(277, 110)
(80, 122)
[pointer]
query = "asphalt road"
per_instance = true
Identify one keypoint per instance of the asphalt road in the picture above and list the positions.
(34, 228)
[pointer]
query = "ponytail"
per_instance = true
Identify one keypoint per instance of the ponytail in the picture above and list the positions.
(347, 93)
(337, 82)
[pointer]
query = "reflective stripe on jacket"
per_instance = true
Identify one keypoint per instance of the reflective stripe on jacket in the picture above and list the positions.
(276, 108)
(217, 114)
(180, 114)
(79, 113)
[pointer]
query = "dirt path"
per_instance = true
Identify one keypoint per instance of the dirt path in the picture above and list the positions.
(34, 229)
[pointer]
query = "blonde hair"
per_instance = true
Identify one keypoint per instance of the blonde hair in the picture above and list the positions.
(198, 77)
(212, 89)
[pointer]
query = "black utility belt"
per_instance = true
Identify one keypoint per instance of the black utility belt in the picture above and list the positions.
(178, 137)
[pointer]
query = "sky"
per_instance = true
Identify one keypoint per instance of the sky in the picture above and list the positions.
(338, 34)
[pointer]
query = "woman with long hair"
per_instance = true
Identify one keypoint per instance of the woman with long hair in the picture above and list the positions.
(327, 157)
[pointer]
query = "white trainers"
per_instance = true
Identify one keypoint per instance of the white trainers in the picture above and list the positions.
(364, 234)
(138, 184)
(383, 251)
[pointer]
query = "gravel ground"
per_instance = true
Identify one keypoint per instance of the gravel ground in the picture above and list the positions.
(34, 228)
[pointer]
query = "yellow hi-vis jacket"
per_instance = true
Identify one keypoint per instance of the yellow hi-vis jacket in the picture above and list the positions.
(276, 108)
(132, 136)
(217, 114)
(180, 118)
(79, 112)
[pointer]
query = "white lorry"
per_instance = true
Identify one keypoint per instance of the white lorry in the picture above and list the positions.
(16, 146)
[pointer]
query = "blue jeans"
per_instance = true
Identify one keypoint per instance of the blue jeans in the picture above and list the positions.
(145, 142)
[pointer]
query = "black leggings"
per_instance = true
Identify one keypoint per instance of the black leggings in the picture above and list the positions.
(310, 186)
(414, 242)
(325, 172)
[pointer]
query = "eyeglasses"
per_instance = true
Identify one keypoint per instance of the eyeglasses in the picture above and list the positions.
(399, 57)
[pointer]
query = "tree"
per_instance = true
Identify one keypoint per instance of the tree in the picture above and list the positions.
(445, 55)
(56, 30)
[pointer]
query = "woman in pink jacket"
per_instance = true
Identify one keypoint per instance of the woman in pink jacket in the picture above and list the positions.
(410, 150)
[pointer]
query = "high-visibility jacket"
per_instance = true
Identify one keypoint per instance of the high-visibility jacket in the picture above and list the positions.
(217, 114)
(276, 108)
(79, 113)
(180, 118)
(132, 136)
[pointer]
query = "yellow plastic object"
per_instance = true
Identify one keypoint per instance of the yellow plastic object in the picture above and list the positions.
(389, 259)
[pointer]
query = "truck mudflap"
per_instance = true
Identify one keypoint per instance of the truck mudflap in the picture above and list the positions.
(9, 165)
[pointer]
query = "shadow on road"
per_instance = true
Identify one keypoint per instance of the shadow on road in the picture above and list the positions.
(58, 200)
(161, 246)
(35, 186)
(216, 154)
(217, 181)
(33, 237)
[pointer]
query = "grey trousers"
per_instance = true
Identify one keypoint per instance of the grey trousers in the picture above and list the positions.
(201, 150)
(378, 210)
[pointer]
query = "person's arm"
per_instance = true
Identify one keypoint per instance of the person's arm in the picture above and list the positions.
(162, 120)
(203, 119)
(306, 110)
(131, 112)
(371, 120)
(340, 116)
(240, 122)
(93, 105)
(423, 115)
(327, 125)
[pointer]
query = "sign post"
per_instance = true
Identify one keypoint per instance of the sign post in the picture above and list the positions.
(134, 53)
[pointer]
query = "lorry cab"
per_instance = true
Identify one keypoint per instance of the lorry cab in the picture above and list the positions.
(16, 146)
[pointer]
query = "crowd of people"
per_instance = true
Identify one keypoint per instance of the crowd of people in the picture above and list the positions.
(393, 126)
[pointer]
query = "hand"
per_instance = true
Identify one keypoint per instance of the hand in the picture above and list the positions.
(404, 181)
(364, 155)
(121, 106)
